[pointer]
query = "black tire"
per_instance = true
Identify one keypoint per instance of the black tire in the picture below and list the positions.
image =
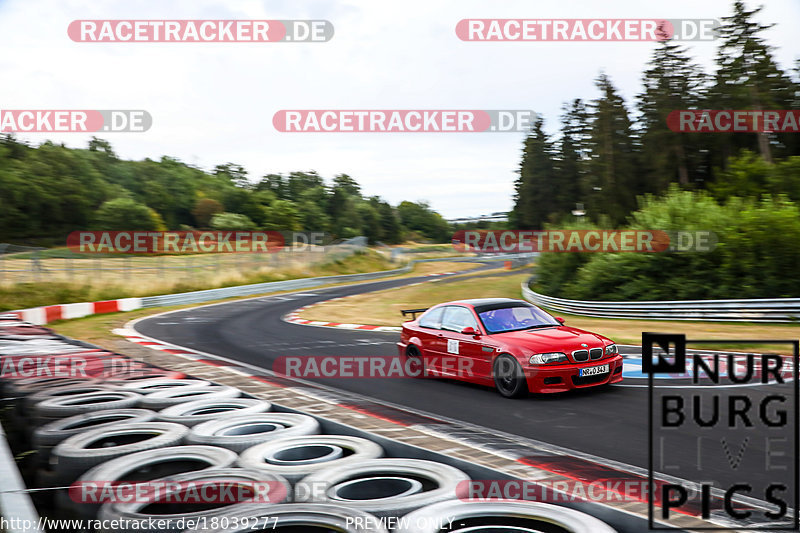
(28, 386)
(384, 487)
(51, 434)
(85, 403)
(77, 454)
(35, 391)
(144, 466)
(64, 391)
(320, 517)
(167, 397)
(193, 413)
(239, 433)
(509, 378)
(414, 353)
(297, 457)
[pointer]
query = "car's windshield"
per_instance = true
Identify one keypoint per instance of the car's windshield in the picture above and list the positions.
(515, 318)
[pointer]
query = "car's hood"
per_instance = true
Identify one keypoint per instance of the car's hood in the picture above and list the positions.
(558, 338)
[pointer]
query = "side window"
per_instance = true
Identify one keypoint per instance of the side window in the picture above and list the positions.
(432, 319)
(457, 318)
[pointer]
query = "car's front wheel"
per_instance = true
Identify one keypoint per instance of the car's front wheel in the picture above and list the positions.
(509, 377)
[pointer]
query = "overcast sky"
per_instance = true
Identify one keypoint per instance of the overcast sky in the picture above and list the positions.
(213, 103)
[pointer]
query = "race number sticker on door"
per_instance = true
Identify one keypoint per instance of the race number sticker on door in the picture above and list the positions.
(452, 346)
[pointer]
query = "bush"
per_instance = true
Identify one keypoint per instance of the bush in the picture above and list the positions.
(756, 256)
(127, 214)
(232, 221)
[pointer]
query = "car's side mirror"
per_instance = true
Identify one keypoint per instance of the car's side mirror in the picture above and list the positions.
(469, 330)
(561, 320)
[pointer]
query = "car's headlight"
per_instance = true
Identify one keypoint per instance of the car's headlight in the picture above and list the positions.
(545, 358)
(611, 348)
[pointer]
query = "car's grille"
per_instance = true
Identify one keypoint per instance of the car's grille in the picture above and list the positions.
(580, 356)
(596, 353)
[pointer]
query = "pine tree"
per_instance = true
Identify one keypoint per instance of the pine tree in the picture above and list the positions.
(747, 78)
(571, 156)
(671, 83)
(536, 186)
(612, 180)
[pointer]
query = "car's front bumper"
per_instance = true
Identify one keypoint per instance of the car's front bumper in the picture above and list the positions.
(561, 378)
(401, 348)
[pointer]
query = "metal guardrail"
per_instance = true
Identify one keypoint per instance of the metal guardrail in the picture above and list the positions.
(305, 283)
(761, 310)
(259, 288)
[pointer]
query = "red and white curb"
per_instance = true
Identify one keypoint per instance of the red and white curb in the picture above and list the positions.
(130, 335)
(295, 318)
(51, 313)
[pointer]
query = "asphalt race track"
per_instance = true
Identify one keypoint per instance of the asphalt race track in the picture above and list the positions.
(609, 422)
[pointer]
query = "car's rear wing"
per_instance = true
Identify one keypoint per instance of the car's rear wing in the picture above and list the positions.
(413, 312)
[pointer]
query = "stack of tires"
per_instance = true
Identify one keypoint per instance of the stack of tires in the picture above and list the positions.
(157, 435)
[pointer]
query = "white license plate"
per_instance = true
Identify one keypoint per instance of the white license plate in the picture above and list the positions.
(593, 371)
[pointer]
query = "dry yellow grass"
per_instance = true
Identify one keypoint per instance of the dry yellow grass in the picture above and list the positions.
(97, 329)
(102, 270)
(383, 308)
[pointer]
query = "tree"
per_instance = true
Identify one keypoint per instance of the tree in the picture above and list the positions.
(370, 221)
(569, 163)
(747, 77)
(418, 217)
(672, 82)
(282, 215)
(204, 210)
(612, 181)
(390, 225)
(235, 174)
(536, 186)
(126, 214)
(347, 184)
(299, 182)
(100, 145)
(276, 184)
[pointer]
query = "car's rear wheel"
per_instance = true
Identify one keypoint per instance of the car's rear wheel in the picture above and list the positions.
(509, 377)
(413, 353)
